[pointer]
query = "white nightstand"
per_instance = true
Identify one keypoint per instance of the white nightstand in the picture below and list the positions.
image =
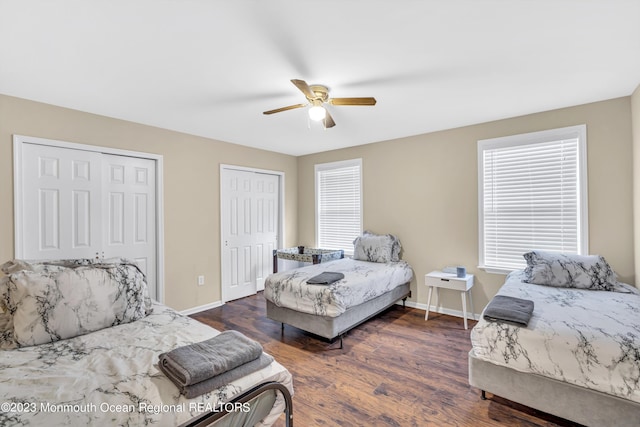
(438, 279)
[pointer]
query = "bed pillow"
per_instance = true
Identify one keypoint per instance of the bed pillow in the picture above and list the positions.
(49, 266)
(569, 271)
(44, 266)
(47, 307)
(376, 247)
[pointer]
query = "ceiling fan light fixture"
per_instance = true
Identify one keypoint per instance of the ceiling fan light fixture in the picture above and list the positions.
(317, 96)
(317, 112)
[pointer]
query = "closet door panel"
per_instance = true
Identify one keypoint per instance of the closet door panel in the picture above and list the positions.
(129, 192)
(62, 206)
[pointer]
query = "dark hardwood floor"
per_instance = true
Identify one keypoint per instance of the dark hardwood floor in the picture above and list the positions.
(394, 370)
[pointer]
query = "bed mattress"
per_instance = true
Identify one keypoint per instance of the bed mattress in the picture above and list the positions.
(362, 282)
(110, 377)
(582, 337)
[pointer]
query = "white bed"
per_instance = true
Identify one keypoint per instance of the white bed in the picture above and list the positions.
(363, 281)
(578, 358)
(330, 311)
(107, 376)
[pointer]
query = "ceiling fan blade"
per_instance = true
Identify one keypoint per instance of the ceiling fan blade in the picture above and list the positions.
(304, 88)
(328, 121)
(353, 101)
(290, 107)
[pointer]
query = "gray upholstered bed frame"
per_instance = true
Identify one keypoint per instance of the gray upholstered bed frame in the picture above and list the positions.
(574, 403)
(332, 327)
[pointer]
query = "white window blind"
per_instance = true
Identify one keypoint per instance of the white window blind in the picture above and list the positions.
(338, 204)
(532, 195)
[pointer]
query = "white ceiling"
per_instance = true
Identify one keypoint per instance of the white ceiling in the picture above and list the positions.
(210, 68)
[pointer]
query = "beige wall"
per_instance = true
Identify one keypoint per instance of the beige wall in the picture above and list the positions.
(191, 186)
(424, 189)
(635, 124)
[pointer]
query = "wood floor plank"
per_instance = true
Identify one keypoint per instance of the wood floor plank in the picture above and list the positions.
(394, 370)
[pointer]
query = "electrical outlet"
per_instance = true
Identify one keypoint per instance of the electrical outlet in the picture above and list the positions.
(200, 280)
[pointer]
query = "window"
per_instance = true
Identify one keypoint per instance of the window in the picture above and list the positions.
(532, 194)
(338, 204)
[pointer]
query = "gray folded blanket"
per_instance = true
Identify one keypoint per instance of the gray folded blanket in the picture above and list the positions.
(503, 308)
(213, 383)
(325, 278)
(197, 362)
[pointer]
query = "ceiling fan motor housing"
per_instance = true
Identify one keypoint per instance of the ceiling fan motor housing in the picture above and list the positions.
(322, 92)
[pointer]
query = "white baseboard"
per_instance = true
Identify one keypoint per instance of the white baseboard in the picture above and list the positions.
(190, 311)
(441, 310)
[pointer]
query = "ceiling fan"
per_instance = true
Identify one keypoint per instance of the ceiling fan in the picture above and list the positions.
(318, 95)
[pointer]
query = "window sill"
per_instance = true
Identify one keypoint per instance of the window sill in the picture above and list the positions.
(496, 270)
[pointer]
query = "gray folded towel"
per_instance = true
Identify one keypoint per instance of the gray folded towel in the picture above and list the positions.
(197, 362)
(218, 381)
(503, 308)
(325, 278)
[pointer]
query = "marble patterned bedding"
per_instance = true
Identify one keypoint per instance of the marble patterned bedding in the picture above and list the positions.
(110, 377)
(583, 337)
(363, 281)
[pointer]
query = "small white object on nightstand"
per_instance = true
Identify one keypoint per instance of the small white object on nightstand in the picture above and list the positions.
(438, 279)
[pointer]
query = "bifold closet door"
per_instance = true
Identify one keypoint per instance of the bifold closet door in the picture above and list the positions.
(85, 204)
(249, 217)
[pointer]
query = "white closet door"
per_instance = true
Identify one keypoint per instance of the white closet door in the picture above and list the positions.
(250, 218)
(129, 201)
(62, 206)
(86, 204)
(266, 196)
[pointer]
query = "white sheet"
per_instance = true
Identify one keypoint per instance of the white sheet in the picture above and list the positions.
(363, 281)
(109, 377)
(584, 337)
